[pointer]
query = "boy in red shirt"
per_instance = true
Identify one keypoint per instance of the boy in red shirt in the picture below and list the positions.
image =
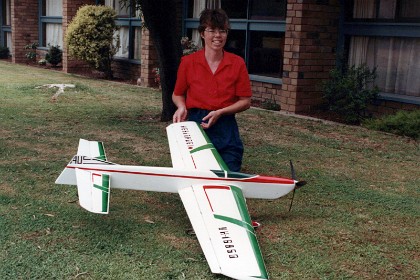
(212, 86)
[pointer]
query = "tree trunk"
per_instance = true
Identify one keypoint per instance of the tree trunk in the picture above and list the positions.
(161, 20)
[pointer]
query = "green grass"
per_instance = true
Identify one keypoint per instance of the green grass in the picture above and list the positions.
(358, 217)
(406, 123)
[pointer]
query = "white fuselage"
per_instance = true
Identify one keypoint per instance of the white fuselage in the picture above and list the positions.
(166, 179)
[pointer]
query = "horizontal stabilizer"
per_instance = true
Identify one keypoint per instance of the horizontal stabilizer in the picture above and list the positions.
(93, 190)
(223, 227)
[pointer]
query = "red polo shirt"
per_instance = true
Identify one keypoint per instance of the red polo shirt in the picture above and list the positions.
(205, 90)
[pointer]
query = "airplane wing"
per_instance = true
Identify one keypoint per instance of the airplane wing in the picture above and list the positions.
(223, 227)
(192, 149)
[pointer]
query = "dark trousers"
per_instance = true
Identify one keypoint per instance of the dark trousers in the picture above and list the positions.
(224, 135)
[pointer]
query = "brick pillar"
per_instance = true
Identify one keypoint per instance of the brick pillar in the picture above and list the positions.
(70, 7)
(24, 22)
(149, 60)
(309, 51)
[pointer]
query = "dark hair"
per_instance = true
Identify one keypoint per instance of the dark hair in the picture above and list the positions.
(214, 18)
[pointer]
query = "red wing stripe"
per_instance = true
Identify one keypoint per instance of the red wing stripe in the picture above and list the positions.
(214, 187)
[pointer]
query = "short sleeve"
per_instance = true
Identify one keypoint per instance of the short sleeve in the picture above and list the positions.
(243, 84)
(181, 84)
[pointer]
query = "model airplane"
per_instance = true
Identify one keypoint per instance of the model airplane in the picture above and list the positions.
(213, 197)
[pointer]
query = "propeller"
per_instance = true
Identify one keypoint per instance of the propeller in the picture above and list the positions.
(298, 184)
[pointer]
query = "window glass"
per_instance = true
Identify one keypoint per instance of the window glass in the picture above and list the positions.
(409, 9)
(53, 8)
(123, 51)
(236, 42)
(395, 10)
(266, 53)
(137, 43)
(386, 9)
(53, 34)
(235, 8)
(261, 49)
(129, 31)
(123, 10)
(268, 10)
(6, 12)
(8, 41)
(396, 60)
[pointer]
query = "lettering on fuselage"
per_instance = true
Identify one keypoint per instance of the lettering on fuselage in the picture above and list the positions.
(187, 137)
(86, 160)
(228, 243)
(78, 159)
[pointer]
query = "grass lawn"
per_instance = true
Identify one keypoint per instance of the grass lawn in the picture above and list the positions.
(358, 217)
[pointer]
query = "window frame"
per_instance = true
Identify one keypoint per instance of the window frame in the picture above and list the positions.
(132, 23)
(247, 25)
(45, 20)
(377, 28)
(3, 27)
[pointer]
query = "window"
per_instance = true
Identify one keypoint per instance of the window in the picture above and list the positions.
(51, 31)
(129, 21)
(5, 25)
(384, 10)
(257, 33)
(394, 54)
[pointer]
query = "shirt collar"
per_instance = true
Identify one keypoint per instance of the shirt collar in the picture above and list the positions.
(227, 59)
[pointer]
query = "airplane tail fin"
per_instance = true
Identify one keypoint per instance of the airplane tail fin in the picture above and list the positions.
(89, 152)
(92, 149)
(93, 188)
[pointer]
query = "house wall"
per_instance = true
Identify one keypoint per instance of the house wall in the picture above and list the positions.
(149, 61)
(309, 52)
(24, 23)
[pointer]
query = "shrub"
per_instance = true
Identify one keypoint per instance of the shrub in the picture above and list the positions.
(4, 52)
(350, 92)
(188, 46)
(54, 55)
(31, 54)
(406, 123)
(90, 37)
(42, 62)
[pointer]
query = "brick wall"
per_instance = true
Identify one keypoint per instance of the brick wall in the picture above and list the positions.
(24, 27)
(263, 92)
(125, 70)
(149, 60)
(309, 52)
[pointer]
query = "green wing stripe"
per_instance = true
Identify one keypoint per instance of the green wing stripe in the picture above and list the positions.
(204, 147)
(216, 154)
(105, 191)
(246, 223)
(105, 194)
(102, 188)
(105, 201)
(248, 227)
(101, 151)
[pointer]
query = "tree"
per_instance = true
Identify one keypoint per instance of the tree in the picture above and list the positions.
(90, 37)
(160, 17)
